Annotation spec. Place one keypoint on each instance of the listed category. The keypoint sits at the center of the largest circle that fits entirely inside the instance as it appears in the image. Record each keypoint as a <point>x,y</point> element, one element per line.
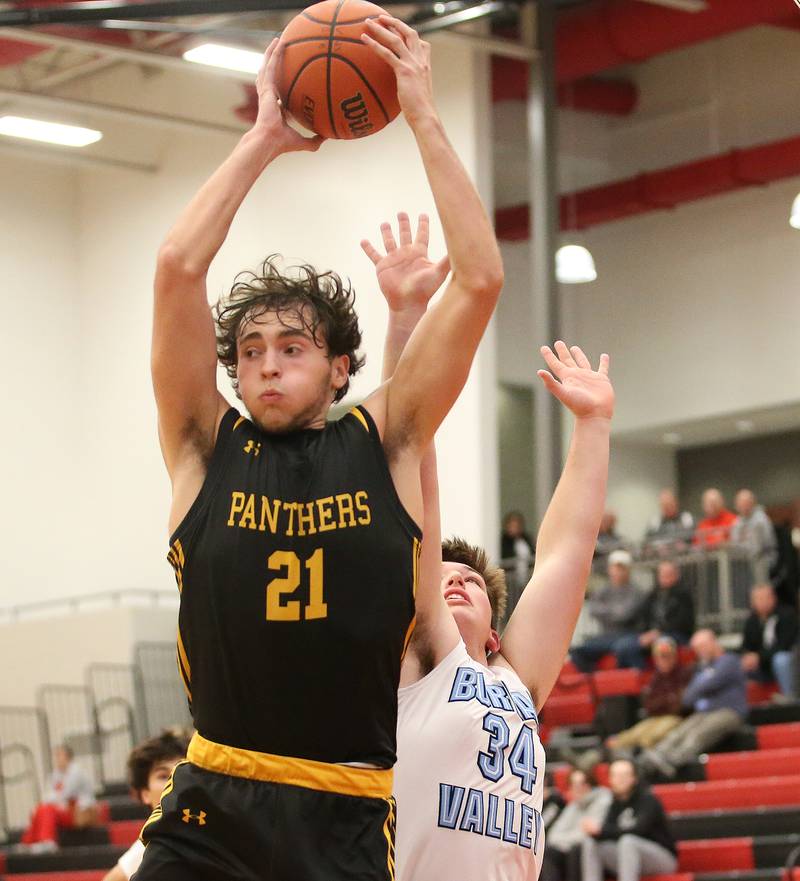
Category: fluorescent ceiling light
<point>683,5</point>
<point>215,55</point>
<point>794,218</point>
<point>574,265</point>
<point>49,132</point>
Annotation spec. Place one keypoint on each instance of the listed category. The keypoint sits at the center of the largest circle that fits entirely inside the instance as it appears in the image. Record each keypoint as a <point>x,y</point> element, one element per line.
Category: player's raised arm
<point>538,635</point>
<point>436,362</point>
<point>184,355</point>
<point>408,280</point>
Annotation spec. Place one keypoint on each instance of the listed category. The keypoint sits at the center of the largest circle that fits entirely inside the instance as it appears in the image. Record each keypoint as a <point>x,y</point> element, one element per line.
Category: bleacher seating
<point>735,812</point>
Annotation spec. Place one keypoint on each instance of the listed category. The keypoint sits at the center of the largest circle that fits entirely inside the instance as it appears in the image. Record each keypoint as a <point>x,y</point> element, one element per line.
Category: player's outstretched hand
<point>271,113</point>
<point>407,278</point>
<point>587,393</point>
<point>410,58</point>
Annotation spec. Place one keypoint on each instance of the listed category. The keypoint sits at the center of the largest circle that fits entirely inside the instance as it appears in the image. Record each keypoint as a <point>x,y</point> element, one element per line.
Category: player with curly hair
<point>295,541</point>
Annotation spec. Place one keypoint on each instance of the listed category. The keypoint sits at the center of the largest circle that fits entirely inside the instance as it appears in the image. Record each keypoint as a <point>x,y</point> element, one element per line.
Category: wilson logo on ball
<point>357,116</point>
<point>308,110</point>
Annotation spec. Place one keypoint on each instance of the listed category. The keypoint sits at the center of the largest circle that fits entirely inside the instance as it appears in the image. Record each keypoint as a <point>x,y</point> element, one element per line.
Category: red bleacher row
<point>572,701</point>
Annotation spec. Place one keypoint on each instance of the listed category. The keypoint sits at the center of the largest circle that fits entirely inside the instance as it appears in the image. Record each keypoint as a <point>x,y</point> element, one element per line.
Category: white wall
<point>698,308</point>
<point>38,268</point>
<point>57,650</point>
<point>308,207</point>
<point>637,473</point>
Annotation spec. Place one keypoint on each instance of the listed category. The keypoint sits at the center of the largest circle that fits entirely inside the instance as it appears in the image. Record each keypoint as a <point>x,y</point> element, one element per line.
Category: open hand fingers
<point>564,353</point>
<point>580,358</point>
<point>404,228</point>
<point>409,35</point>
<point>604,364</point>
<point>371,252</point>
<point>388,238</point>
<point>272,57</point>
<point>383,34</point>
<point>423,231</point>
<point>550,383</point>
<point>552,361</point>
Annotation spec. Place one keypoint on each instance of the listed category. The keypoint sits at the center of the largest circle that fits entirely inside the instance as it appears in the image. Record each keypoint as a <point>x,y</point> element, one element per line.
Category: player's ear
<point>340,368</point>
<point>493,643</point>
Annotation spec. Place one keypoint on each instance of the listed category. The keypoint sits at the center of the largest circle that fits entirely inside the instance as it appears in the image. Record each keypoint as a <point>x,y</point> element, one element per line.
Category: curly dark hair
<point>320,300</point>
<point>172,743</point>
<point>458,550</point>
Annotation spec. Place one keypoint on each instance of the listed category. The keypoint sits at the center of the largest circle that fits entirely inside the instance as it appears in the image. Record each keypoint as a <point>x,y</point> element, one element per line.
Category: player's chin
<point>273,420</point>
<point>466,617</point>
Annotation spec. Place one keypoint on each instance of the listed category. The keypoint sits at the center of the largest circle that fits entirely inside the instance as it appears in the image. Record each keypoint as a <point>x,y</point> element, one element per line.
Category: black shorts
<point>213,826</point>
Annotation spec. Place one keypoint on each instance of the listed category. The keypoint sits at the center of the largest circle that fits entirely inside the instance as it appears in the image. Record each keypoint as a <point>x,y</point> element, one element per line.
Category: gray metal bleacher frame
<point>118,705</point>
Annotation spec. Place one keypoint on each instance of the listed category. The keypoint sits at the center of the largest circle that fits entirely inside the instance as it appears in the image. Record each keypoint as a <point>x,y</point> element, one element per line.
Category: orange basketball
<point>330,81</point>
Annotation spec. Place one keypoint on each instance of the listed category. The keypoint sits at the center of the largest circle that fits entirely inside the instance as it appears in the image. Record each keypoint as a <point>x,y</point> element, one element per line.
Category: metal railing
<point>90,602</point>
<point>24,762</point>
<point>71,721</point>
<point>100,721</point>
<point>719,580</point>
<point>113,692</point>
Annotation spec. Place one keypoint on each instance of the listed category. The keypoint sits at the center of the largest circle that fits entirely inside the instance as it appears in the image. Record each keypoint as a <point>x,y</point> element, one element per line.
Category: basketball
<point>330,82</point>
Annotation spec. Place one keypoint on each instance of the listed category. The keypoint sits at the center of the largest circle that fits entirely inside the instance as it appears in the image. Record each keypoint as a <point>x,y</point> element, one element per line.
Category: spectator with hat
<point>617,608</point>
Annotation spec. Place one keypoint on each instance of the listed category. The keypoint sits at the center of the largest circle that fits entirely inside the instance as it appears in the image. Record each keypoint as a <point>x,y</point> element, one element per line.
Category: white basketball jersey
<point>469,777</point>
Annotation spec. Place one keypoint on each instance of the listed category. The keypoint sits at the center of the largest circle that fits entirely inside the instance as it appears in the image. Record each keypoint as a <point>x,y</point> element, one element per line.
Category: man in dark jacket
<point>668,610</point>
<point>716,696</point>
<point>770,635</point>
<point>635,838</point>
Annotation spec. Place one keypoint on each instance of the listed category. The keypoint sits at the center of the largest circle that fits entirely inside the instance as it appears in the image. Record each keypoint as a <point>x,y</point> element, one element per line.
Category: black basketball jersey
<point>297,567</point>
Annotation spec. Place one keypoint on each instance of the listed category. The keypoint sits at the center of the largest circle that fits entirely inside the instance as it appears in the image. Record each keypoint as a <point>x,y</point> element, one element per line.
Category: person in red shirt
<point>715,528</point>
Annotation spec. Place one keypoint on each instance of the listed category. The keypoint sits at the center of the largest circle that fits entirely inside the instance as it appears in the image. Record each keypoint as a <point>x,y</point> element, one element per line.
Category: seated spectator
<point>552,801</point>
<point>770,635</point>
<point>671,531</point>
<point>562,853</point>
<point>668,610</point>
<point>517,547</point>
<point>715,528</point>
<point>68,804</point>
<point>754,531</point>
<point>716,696</point>
<point>635,838</point>
<point>150,765</point>
<point>662,705</point>
<point>616,606</point>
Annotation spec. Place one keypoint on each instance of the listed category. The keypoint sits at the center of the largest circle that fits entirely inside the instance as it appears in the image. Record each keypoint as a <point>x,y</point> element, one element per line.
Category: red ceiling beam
<point>592,39</point>
<point>658,190</point>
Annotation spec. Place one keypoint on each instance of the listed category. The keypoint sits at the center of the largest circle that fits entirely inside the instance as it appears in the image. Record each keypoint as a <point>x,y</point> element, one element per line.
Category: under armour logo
<point>188,816</point>
<point>251,447</point>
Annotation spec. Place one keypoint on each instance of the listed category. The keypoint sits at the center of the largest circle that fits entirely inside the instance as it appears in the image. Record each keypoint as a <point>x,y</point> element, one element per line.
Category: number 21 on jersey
<point>281,609</point>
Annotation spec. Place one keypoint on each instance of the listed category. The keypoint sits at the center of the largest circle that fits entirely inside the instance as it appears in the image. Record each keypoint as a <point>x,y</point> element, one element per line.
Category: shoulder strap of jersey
<point>362,415</point>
